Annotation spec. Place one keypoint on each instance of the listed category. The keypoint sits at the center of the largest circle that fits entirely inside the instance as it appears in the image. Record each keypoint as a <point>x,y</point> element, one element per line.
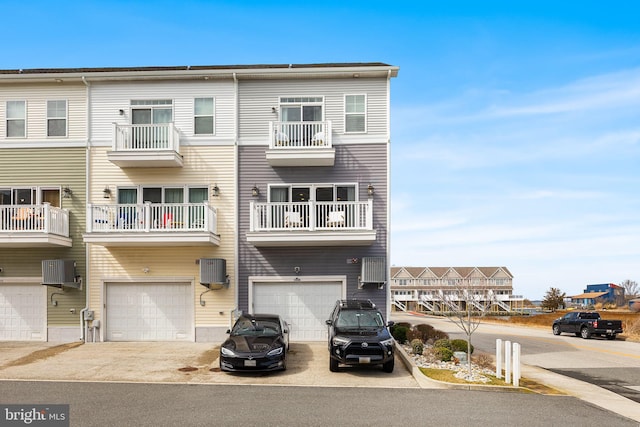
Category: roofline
<point>326,70</point>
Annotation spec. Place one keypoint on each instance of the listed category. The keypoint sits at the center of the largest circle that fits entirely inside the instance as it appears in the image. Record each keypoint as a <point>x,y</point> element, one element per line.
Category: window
<point>355,118</point>
<point>56,118</point>
<point>151,111</point>
<point>203,116</point>
<point>320,193</point>
<point>16,119</point>
<point>301,109</point>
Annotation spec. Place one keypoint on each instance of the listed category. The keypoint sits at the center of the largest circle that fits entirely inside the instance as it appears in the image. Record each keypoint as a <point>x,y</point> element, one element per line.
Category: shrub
<point>425,331</point>
<point>399,333</point>
<point>483,360</point>
<point>439,335</point>
<point>460,345</point>
<point>417,346</point>
<point>443,342</point>
<point>413,334</point>
<point>443,353</point>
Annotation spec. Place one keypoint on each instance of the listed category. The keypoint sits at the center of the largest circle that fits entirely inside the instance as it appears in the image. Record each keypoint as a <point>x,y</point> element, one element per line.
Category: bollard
<point>516,365</point>
<point>498,358</point>
<point>507,361</point>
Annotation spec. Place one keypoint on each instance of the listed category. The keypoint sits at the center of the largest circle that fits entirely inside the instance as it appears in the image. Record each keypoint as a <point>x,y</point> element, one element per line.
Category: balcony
<point>152,224</point>
<point>311,224</point>
<point>146,146</point>
<point>32,226</point>
<point>300,144</point>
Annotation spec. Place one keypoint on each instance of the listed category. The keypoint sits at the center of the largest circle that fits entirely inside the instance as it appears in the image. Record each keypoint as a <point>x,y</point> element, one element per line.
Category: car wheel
<point>388,366</point>
<point>333,365</point>
<point>585,334</point>
<point>611,337</point>
<point>556,330</point>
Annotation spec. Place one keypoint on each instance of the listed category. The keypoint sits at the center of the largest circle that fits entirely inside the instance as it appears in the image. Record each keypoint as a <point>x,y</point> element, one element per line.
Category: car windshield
<point>359,318</point>
<point>254,327</point>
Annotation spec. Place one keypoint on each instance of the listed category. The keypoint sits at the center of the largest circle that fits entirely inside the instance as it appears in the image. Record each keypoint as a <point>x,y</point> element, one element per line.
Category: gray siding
<point>362,164</point>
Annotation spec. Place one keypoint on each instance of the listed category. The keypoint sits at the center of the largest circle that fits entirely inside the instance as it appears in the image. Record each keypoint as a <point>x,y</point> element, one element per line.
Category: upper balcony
<point>152,224</point>
<point>146,146</point>
<point>32,226</point>
<point>300,144</point>
<point>311,224</point>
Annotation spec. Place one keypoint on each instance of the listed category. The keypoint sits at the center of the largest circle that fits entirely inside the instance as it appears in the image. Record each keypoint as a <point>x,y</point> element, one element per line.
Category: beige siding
<point>107,99</point>
<point>256,99</point>
<point>203,166</point>
<point>36,97</point>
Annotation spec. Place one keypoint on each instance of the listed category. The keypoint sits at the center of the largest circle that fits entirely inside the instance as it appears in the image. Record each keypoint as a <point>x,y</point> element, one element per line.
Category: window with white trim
<point>203,116</point>
<point>57,118</point>
<point>355,113</point>
<point>16,116</point>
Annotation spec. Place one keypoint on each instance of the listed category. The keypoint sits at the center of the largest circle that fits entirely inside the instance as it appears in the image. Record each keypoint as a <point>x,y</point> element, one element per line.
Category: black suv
<point>358,335</point>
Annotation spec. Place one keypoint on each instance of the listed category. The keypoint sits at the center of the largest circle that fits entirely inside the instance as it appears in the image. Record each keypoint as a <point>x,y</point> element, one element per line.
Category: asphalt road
<point>613,365</point>
<point>118,404</point>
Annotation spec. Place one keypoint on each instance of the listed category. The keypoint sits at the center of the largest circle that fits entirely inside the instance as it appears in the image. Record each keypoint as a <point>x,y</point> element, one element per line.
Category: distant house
<point>600,293</point>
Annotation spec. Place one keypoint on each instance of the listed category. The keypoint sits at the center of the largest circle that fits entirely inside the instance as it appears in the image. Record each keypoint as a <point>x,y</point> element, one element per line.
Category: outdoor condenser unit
<point>374,271</point>
<point>60,273</point>
<point>213,273</point>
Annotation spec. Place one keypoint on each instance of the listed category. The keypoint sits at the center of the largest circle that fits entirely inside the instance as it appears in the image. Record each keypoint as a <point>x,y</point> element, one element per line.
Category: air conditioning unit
<point>374,271</point>
<point>213,273</point>
<point>60,273</point>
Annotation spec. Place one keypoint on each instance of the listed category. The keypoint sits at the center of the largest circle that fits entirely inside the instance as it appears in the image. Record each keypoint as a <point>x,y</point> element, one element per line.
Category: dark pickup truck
<point>587,323</point>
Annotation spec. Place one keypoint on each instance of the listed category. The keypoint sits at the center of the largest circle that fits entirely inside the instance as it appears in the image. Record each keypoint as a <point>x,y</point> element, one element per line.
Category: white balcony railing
<point>302,135</point>
<point>152,137</point>
<point>42,218</point>
<point>311,216</point>
<point>152,217</point>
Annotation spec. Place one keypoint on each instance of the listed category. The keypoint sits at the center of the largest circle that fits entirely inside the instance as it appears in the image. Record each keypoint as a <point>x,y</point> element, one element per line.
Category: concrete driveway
<point>164,362</point>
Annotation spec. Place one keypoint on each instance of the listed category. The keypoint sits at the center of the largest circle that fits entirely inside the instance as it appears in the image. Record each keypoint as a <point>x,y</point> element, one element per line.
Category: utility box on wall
<point>374,271</point>
<point>60,273</point>
<point>213,273</point>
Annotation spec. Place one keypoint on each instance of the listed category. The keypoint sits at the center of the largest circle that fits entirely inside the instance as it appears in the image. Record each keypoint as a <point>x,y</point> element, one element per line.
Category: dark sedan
<point>257,342</point>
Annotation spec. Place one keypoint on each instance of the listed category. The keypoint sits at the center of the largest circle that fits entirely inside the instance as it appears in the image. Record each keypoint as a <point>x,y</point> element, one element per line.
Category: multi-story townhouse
<point>43,146</point>
<point>161,214</point>
<point>313,189</point>
<point>446,289</point>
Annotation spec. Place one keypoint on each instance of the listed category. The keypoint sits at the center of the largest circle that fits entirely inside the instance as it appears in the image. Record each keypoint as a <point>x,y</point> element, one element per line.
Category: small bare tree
<point>631,288</point>
<point>470,305</point>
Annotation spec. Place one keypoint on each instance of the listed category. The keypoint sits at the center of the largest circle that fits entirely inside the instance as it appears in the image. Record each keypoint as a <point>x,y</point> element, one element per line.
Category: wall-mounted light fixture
<point>215,191</point>
<point>106,193</point>
<point>274,110</point>
<point>66,192</point>
<point>255,191</point>
<point>121,111</point>
<point>370,190</point>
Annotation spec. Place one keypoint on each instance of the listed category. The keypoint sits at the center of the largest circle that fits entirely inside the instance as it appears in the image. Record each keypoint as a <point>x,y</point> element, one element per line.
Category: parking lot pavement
<point>307,365</point>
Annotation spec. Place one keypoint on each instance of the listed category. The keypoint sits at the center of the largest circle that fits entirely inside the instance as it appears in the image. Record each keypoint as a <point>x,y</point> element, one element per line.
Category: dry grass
<point>630,321</point>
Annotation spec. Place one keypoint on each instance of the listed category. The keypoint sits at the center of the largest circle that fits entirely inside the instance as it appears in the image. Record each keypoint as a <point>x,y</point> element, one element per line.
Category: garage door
<point>22,312</point>
<point>305,306</point>
<point>149,312</point>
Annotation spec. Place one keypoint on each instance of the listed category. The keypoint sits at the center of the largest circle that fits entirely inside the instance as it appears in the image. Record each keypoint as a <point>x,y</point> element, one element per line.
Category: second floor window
<point>57,118</point>
<point>16,119</point>
<point>203,116</point>
<point>151,111</point>
<point>355,113</point>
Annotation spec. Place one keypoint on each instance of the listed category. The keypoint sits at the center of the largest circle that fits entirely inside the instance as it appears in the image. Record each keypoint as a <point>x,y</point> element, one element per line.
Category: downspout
<point>236,176</point>
<point>83,323</point>
<point>388,272</point>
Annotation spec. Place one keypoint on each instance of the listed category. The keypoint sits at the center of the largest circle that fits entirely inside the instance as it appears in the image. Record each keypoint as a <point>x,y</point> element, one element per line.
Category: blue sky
<point>515,126</point>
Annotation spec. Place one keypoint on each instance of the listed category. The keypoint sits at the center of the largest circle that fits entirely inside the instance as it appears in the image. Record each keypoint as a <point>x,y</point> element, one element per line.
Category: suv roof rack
<point>357,303</point>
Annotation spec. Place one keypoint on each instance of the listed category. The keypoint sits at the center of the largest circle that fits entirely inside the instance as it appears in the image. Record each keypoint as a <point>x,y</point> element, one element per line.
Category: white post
<point>507,361</point>
<point>498,358</point>
<point>516,365</point>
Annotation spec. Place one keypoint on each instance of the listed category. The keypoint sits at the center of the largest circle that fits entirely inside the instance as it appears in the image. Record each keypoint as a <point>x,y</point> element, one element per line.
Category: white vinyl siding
<point>203,117</point>
<point>16,119</point>
<point>57,118</point>
<point>355,113</point>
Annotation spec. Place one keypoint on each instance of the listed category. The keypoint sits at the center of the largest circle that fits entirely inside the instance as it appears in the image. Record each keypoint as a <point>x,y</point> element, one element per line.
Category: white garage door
<point>305,306</point>
<point>22,312</point>
<point>149,312</point>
